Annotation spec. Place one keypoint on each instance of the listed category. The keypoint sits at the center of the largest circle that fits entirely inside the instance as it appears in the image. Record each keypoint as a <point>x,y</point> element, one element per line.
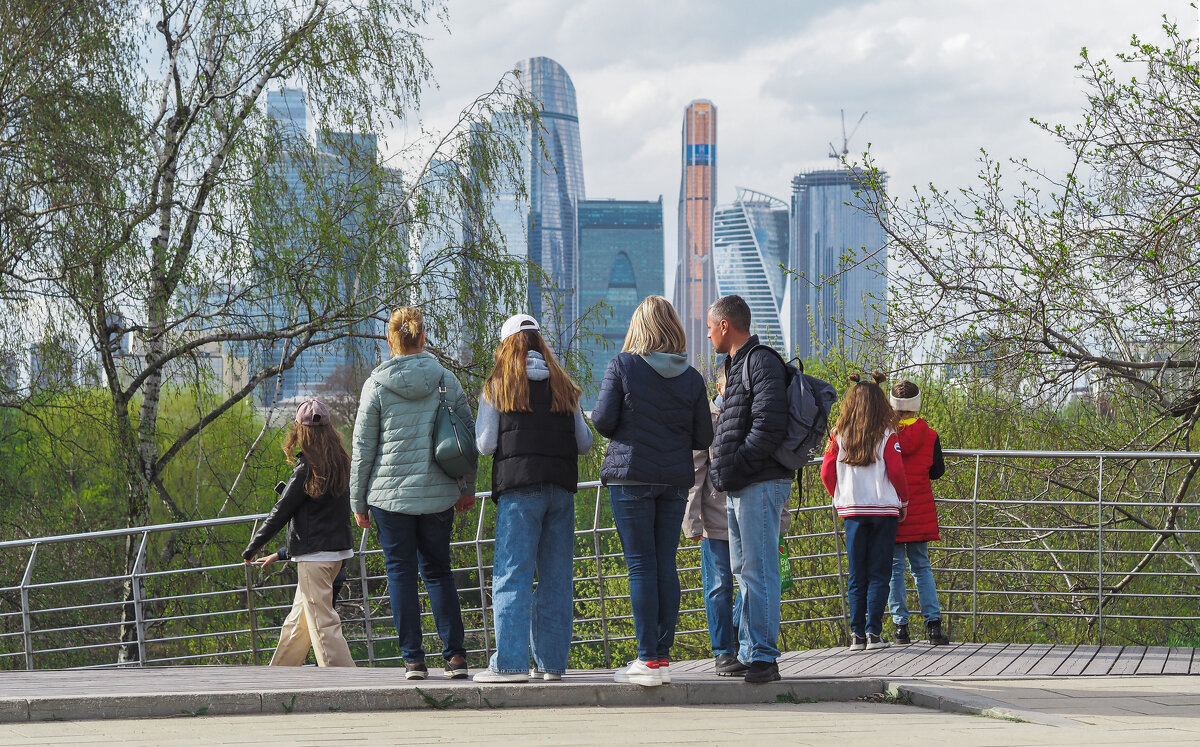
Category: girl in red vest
<point>922,453</point>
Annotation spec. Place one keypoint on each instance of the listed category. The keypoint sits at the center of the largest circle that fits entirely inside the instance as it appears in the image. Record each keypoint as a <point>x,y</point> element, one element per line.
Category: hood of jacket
<point>667,365</point>
<point>536,367</point>
<point>913,436</point>
<point>413,376</point>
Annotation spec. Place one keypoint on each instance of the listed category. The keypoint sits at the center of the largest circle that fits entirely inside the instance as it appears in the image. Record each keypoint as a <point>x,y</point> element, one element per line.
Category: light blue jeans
<point>717,579</point>
<point>754,558</point>
<point>535,530</point>
<point>918,559</point>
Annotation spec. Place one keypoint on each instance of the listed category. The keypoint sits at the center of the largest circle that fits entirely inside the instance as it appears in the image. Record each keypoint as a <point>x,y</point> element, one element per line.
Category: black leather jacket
<point>314,524</point>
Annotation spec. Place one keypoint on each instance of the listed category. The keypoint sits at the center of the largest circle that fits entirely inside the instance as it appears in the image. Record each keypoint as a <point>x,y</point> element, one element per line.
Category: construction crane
<point>833,152</point>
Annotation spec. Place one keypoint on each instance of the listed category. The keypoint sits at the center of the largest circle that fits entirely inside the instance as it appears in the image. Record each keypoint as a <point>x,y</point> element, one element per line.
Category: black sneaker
<point>415,670</point>
<point>727,665</point>
<point>902,637</point>
<point>933,628</point>
<point>456,668</point>
<point>857,642</point>
<point>874,642</point>
<point>762,671</point>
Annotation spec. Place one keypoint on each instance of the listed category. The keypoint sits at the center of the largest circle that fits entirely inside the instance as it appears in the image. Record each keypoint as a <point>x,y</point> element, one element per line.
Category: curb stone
<point>949,700</point>
<point>434,696</point>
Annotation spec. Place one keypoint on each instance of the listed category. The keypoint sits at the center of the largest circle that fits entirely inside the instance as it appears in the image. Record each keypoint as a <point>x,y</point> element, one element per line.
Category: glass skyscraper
<point>340,165</point>
<point>555,190</point>
<point>750,245</point>
<point>621,245</point>
<point>695,279</point>
<point>838,296</point>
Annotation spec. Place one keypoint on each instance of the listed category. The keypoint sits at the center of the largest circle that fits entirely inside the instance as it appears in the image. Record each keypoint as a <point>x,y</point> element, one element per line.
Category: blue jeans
<point>754,558</point>
<point>649,519</point>
<point>535,531</point>
<point>927,595</point>
<point>869,541</point>
<point>420,541</point>
<point>717,577</point>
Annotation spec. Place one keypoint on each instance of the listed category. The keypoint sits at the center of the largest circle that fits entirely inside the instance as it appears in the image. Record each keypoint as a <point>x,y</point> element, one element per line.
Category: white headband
<point>907,404</point>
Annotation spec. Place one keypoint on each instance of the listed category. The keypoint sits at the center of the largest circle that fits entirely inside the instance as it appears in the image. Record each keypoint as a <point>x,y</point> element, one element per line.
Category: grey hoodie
<point>487,424</point>
<point>392,465</point>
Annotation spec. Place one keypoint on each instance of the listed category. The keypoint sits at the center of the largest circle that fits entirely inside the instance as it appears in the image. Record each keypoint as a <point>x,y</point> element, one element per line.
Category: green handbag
<point>453,448</point>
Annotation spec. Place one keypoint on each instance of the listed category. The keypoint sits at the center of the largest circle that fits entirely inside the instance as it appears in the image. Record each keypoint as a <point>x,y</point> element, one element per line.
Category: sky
<point>939,79</point>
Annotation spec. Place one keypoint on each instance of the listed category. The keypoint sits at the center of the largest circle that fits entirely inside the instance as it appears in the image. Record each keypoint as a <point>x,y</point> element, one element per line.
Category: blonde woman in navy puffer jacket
<point>653,407</point>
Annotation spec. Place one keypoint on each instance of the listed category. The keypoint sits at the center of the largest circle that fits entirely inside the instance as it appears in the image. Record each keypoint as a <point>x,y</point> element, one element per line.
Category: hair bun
<point>854,378</point>
<point>879,377</point>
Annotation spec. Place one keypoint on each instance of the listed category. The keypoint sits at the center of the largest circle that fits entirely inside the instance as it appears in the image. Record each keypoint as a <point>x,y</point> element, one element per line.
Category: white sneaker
<point>537,674</point>
<point>645,673</point>
<point>491,677</point>
<point>664,671</point>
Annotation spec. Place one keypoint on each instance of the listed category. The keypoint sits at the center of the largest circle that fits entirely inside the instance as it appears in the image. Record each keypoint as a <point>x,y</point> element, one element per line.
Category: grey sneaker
<point>415,670</point>
<point>538,674</point>
<point>874,642</point>
<point>456,668</point>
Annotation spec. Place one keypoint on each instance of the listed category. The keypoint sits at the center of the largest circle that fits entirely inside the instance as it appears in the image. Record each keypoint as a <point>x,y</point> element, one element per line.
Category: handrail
<point>1062,551</point>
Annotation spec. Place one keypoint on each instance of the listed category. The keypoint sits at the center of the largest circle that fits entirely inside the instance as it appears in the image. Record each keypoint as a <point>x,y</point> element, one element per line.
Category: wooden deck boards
<point>989,660</point>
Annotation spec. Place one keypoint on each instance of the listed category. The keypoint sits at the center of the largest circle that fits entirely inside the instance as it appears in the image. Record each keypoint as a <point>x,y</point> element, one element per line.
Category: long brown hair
<point>507,388</point>
<point>328,460</point>
<point>865,417</point>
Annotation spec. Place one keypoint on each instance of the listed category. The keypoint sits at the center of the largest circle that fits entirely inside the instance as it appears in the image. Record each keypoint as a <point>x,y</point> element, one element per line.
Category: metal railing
<point>1036,545</point>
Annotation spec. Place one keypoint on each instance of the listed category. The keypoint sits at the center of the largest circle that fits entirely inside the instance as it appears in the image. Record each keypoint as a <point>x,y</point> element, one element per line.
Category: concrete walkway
<point>1159,710</point>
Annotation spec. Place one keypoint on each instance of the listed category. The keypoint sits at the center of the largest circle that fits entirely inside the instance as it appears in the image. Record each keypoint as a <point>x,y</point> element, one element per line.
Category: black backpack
<point>809,401</point>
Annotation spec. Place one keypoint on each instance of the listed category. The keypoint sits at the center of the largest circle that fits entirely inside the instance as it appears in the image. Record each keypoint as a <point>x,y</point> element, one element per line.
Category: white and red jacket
<point>878,489</point>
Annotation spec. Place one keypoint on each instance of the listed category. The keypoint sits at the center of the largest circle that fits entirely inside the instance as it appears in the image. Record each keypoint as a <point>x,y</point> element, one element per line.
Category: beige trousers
<point>312,621</point>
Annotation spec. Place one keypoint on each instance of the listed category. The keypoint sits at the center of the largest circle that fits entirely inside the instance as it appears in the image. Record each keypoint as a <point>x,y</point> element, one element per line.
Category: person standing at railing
<point>529,419</point>
<point>706,520</point>
<point>653,407</point>
<point>864,472</point>
<point>412,500</point>
<point>921,449</point>
<point>751,428</point>
<point>315,504</point>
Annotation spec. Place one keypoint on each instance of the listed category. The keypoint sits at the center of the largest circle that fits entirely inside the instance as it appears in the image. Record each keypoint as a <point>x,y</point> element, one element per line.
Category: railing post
<point>600,583</point>
<point>1100,557</point>
<point>139,615</point>
<point>975,554</point>
<point>26,622</point>
<point>366,596</point>
<point>837,551</point>
<point>483,605</point>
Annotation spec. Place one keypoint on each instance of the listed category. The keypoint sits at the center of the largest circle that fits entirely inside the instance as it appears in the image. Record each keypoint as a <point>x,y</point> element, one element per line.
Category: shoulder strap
<point>746,364</point>
<point>442,388</point>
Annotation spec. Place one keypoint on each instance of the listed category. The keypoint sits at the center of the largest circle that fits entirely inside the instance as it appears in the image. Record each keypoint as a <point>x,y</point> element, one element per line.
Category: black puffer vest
<point>535,447</point>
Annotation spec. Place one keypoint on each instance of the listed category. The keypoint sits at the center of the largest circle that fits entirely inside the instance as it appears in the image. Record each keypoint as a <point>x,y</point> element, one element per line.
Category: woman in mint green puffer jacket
<point>412,500</point>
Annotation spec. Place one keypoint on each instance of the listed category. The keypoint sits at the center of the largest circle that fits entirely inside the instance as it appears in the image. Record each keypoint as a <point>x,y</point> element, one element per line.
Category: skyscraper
<point>840,257</point>
<point>339,166</point>
<point>750,243</point>
<point>555,190</point>
<point>621,245</point>
<point>695,281</point>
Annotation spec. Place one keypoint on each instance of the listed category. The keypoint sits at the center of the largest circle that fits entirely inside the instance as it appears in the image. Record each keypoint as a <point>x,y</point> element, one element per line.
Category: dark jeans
<point>869,544</point>
<point>649,519</point>
<point>409,542</point>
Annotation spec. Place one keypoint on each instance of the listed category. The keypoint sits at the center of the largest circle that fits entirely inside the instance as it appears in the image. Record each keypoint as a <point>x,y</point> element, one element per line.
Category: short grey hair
<point>732,309</point>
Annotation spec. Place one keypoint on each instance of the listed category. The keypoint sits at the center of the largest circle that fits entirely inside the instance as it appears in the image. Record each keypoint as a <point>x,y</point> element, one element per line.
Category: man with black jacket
<point>752,425</point>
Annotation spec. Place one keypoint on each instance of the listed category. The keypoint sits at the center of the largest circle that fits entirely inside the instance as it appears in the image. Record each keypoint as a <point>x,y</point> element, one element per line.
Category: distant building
<point>621,245</point>
<point>750,246</point>
<point>341,164</point>
<point>837,296</point>
<point>695,277</point>
<point>547,234</point>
